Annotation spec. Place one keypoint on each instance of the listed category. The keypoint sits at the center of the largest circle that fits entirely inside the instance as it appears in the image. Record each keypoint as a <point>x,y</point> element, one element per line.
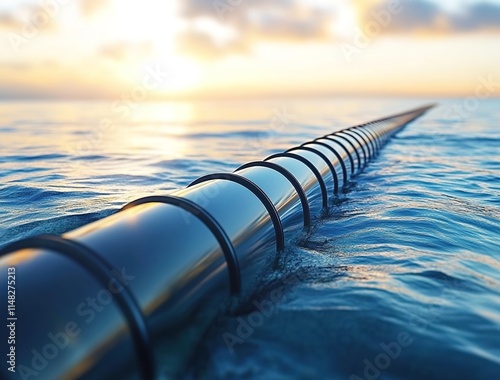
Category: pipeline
<point>105,300</point>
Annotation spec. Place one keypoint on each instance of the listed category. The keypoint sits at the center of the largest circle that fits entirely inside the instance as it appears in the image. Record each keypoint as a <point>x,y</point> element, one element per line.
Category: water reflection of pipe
<point>103,301</point>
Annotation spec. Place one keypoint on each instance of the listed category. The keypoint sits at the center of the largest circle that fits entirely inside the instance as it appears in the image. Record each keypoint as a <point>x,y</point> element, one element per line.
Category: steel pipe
<point>112,299</point>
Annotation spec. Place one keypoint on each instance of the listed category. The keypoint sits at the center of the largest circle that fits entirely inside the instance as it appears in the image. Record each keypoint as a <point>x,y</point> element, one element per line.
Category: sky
<point>151,49</point>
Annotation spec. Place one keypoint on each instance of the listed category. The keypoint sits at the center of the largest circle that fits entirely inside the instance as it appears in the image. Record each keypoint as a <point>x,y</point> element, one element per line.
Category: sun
<point>183,75</point>
<point>346,23</point>
<point>137,24</point>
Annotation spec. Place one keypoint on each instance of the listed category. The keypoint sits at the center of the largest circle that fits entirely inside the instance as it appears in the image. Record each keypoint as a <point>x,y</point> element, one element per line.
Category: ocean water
<point>400,281</point>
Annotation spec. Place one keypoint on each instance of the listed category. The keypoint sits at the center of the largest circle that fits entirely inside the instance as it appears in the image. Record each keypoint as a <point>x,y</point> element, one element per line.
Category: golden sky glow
<point>205,48</point>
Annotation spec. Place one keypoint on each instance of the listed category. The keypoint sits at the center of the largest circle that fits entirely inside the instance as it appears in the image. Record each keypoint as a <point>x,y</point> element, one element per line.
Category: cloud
<point>201,45</point>
<point>479,16</point>
<point>27,17</point>
<point>126,50</point>
<point>300,21</point>
<point>250,22</point>
<point>8,21</point>
<point>429,17</point>
<point>91,7</point>
<point>42,16</point>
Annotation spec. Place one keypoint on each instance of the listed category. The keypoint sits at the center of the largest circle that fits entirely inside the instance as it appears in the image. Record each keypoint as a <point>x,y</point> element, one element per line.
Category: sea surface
<point>400,281</point>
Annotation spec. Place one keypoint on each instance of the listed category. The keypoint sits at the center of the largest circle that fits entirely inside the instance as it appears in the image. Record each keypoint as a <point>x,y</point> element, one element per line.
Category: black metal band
<point>336,134</point>
<point>268,204</point>
<point>381,129</point>
<point>104,272</point>
<point>339,158</point>
<point>327,161</point>
<point>369,137</point>
<point>382,126</point>
<point>331,138</point>
<point>368,132</point>
<point>368,142</point>
<point>295,183</point>
<point>369,129</point>
<point>212,225</point>
<point>387,130</point>
<point>349,133</point>
<point>375,127</point>
<point>380,137</point>
<point>310,165</point>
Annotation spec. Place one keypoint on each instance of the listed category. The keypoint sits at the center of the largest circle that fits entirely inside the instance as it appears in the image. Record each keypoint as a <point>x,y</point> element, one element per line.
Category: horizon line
<point>226,97</point>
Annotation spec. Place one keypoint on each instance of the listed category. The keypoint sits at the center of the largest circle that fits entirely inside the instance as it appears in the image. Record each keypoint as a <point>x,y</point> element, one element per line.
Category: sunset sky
<point>236,48</point>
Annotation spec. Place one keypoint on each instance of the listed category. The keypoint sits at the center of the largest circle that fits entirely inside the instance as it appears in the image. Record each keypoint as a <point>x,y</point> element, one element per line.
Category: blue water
<point>400,281</point>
